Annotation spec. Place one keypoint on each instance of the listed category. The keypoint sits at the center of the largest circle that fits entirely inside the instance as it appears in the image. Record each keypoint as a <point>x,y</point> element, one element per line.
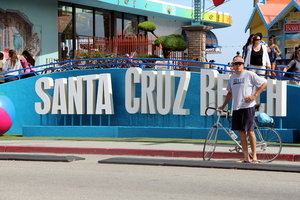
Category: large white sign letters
<point>75,95</point>
<point>146,92</point>
<point>157,92</point>
<point>213,91</point>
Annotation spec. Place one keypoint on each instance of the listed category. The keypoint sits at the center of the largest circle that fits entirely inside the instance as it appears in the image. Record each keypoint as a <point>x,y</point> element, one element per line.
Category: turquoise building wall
<point>43,16</point>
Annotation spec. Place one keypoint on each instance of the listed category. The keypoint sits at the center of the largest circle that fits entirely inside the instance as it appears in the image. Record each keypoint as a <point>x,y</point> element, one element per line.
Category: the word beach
<point>146,92</point>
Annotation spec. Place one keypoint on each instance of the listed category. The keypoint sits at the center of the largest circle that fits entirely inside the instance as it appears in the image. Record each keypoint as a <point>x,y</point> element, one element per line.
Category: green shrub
<point>83,55</point>
<point>174,42</point>
<point>147,26</point>
<point>96,54</point>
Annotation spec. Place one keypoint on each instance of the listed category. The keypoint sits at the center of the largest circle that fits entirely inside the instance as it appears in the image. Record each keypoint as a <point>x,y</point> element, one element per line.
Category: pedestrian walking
<point>273,54</point>
<point>241,88</point>
<point>294,66</point>
<point>257,57</point>
<point>261,40</point>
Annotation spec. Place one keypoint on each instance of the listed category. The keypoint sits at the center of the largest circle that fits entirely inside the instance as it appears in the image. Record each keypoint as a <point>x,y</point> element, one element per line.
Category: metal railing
<point>145,63</point>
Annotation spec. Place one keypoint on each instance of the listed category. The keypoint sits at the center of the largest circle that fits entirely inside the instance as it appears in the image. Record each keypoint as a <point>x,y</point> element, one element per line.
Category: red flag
<point>218,2</point>
<point>160,46</point>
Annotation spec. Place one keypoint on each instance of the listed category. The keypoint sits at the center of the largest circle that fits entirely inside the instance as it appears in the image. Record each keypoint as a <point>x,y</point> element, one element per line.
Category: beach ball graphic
<point>7,114</point>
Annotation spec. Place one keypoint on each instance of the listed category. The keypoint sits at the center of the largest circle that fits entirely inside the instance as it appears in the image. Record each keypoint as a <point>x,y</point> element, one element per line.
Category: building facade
<point>280,18</point>
<point>51,29</point>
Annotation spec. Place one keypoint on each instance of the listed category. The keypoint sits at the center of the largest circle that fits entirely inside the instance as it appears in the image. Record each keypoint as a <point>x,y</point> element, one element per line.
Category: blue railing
<point>125,62</point>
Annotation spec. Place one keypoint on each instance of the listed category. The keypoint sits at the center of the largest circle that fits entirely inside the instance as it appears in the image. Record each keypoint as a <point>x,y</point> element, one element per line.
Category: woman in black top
<point>257,57</point>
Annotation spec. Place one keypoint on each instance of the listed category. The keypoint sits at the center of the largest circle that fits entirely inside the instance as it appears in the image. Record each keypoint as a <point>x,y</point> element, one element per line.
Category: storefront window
<point>102,22</point>
<point>119,25</point>
<point>65,32</point>
<point>130,24</point>
<point>84,22</point>
<point>80,28</point>
<point>142,19</point>
<point>65,24</point>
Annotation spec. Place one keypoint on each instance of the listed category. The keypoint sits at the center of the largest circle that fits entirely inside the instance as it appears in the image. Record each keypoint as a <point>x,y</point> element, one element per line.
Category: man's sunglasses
<point>237,63</point>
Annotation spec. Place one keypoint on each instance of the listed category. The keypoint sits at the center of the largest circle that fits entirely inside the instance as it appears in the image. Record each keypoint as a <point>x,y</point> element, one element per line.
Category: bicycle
<point>268,144</point>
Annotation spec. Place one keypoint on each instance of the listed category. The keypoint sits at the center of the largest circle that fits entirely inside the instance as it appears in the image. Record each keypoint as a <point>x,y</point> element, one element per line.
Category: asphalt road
<point>86,179</point>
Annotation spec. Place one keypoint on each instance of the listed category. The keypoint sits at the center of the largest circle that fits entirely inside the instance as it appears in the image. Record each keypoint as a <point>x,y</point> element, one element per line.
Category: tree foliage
<point>147,26</point>
<point>173,42</point>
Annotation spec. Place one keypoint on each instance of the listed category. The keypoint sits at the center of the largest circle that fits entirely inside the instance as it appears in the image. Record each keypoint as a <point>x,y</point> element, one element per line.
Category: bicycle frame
<point>265,150</point>
<point>218,125</point>
<point>261,146</point>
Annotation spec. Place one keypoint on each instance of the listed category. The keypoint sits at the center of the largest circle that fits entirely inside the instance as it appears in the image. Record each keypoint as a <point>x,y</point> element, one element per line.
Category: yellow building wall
<point>260,29</point>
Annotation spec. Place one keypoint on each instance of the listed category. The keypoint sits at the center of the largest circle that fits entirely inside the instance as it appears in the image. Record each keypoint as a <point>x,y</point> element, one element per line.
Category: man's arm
<point>227,99</point>
<point>257,93</point>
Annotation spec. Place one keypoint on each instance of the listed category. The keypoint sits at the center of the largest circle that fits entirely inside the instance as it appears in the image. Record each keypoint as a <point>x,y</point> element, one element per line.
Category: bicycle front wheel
<point>210,143</point>
<point>268,144</point>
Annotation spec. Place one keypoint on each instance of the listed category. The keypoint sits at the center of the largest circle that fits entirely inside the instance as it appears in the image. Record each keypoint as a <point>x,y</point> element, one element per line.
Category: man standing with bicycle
<point>241,88</point>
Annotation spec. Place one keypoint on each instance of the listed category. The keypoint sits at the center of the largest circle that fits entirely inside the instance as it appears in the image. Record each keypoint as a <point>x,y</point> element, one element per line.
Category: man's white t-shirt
<point>243,85</point>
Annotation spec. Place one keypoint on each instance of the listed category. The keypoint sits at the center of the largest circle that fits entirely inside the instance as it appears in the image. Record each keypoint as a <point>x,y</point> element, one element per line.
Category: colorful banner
<point>290,28</point>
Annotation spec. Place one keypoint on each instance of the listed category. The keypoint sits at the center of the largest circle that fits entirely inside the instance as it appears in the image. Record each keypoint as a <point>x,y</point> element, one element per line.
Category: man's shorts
<point>243,119</point>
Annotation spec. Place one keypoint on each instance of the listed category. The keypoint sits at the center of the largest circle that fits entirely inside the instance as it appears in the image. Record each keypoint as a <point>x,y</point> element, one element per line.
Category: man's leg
<point>244,144</point>
<point>253,144</point>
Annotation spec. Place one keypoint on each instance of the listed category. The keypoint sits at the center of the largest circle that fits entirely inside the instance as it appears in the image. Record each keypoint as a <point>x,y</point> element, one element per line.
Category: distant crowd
<point>259,55</point>
<point>261,58</point>
<point>16,66</point>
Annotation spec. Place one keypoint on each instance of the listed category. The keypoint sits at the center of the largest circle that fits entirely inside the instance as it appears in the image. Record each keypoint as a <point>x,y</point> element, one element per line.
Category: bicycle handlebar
<point>218,110</point>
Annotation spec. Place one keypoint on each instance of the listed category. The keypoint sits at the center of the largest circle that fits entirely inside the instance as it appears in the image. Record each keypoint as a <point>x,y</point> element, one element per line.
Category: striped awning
<point>211,40</point>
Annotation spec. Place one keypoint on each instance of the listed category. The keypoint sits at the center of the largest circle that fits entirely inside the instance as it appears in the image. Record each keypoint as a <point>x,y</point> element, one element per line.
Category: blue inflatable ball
<point>8,106</point>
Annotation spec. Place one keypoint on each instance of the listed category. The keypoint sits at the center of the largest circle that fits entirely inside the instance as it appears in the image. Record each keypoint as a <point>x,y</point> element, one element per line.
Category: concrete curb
<point>202,164</point>
<point>136,152</point>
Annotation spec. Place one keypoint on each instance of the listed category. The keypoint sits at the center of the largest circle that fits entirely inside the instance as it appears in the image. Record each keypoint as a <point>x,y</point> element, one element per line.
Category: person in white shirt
<point>11,64</point>
<point>241,88</point>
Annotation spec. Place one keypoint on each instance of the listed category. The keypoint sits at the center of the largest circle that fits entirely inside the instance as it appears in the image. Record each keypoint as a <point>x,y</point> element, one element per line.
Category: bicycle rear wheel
<point>268,144</point>
<point>210,143</point>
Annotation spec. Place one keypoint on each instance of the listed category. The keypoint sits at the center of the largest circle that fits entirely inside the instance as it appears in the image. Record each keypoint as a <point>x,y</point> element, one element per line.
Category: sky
<point>232,38</point>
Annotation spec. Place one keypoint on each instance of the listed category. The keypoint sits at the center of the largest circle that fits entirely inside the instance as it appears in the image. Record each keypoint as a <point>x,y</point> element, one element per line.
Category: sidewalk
<point>187,150</point>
